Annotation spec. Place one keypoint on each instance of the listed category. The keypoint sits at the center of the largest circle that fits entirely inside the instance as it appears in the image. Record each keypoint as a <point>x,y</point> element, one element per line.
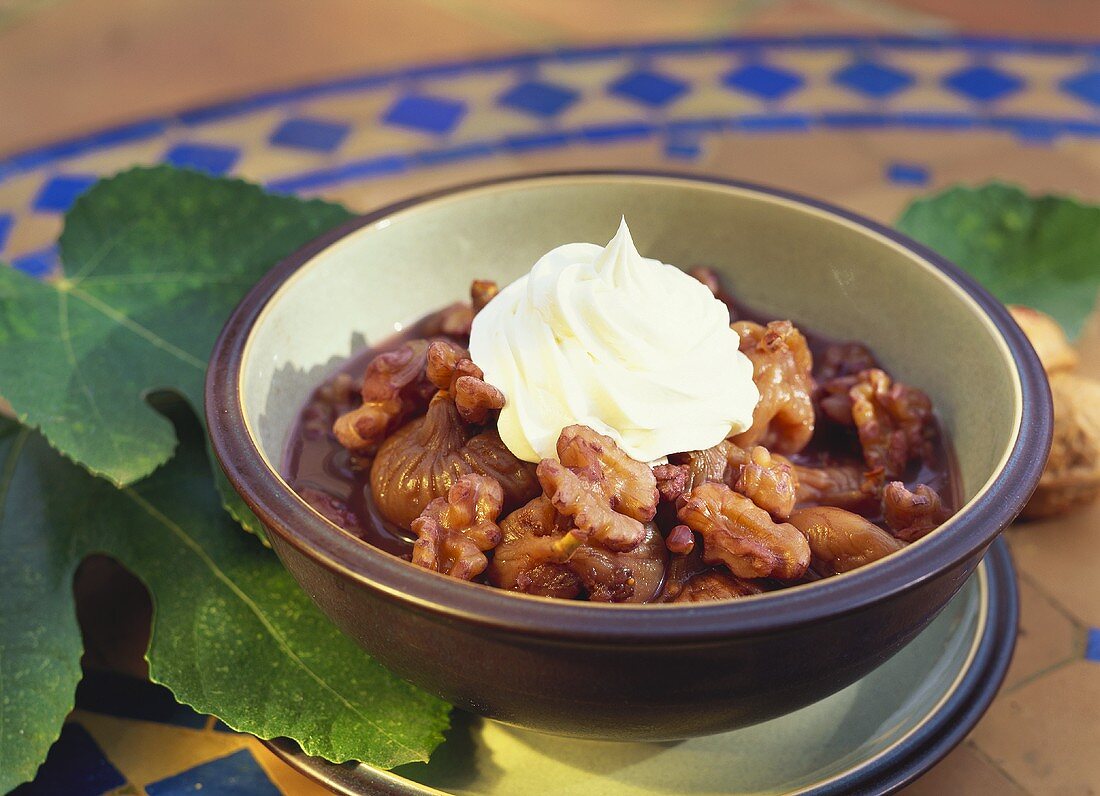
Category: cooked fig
<point>840,540</point>
<point>423,459</point>
<point>843,485</point>
<point>720,464</point>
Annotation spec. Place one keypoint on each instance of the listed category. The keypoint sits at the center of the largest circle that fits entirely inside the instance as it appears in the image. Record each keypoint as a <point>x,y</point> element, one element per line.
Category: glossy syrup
<point>316,461</point>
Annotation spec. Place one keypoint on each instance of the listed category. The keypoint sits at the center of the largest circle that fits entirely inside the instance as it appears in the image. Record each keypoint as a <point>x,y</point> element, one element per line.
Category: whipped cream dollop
<point>629,346</point>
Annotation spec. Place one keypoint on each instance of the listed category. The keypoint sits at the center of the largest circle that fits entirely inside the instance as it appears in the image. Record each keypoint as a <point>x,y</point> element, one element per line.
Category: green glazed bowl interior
<point>841,276</point>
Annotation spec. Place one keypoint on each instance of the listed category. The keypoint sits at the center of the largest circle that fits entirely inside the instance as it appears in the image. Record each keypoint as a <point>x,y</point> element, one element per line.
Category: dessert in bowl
<point>577,434</point>
<point>602,435</point>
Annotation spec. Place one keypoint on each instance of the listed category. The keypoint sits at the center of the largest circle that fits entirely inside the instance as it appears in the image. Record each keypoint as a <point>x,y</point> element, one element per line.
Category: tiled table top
<point>866,122</point>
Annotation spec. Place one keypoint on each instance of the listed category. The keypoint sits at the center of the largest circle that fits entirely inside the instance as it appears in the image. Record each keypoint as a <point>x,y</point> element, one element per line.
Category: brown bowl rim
<point>285,514</point>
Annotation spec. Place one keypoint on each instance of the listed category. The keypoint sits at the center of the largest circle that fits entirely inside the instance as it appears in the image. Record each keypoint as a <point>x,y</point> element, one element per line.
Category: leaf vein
<point>8,474</point>
<point>65,333</point>
<point>279,639</point>
<point>169,277</point>
<point>100,256</point>
<point>141,331</point>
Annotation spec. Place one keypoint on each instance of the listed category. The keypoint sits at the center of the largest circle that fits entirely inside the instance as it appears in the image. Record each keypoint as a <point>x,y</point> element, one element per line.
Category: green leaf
<point>39,639</point>
<point>234,635</point>
<point>154,261</point>
<point>1040,251</point>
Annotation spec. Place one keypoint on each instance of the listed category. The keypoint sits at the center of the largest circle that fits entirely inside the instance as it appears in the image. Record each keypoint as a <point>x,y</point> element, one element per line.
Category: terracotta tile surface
<point>965,771</point>
<point>1045,734</point>
<point>834,161</point>
<point>1045,169</point>
<point>1063,559</point>
<point>832,16</point>
<point>1066,18</point>
<point>80,68</point>
<point>580,20</point>
<point>1048,637</point>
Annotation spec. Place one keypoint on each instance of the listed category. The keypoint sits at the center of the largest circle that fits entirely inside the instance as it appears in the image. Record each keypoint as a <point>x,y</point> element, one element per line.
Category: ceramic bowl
<point>872,737</point>
<point>614,671</point>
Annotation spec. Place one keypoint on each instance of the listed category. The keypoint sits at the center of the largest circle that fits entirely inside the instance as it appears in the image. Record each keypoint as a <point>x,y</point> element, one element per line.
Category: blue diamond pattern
<point>439,115</point>
<point>59,193</point>
<point>37,263</point>
<point>766,82</point>
<point>1085,86</point>
<point>1092,645</point>
<point>907,174</point>
<point>648,88</point>
<point>538,98</point>
<point>238,773</point>
<point>215,160</point>
<point>983,83</point>
<point>315,135</point>
<point>683,145</point>
<point>873,80</point>
<point>6,222</point>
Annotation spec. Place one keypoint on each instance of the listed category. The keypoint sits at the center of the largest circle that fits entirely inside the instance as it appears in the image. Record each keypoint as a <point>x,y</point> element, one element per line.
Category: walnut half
<point>607,495</point>
<point>783,420</point>
<point>769,481</point>
<point>893,420</point>
<point>450,369</point>
<point>395,387</point>
<point>716,584</point>
<point>528,560</point>
<point>454,532</point>
<point>738,533</point>
<point>912,514</point>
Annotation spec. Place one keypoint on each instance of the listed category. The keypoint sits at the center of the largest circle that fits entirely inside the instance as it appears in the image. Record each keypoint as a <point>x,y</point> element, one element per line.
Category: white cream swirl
<point>629,346</point>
